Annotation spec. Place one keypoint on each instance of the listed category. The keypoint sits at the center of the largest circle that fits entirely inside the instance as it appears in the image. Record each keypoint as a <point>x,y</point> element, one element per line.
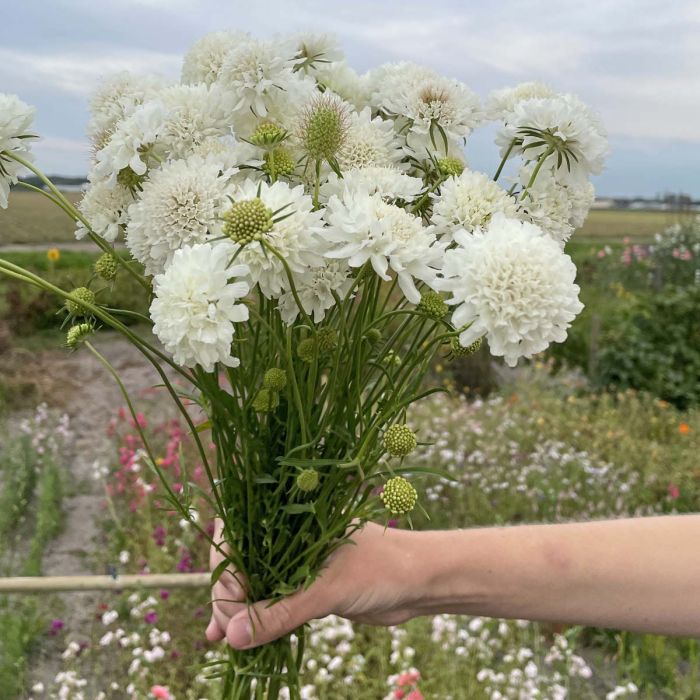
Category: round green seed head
<point>399,496</point>
<point>307,349</point>
<point>374,335</point>
<point>275,379</point>
<point>268,134</point>
<point>399,440</point>
<point>433,305</point>
<point>459,351</point>
<point>450,166</point>
<point>327,340</point>
<point>247,221</point>
<point>265,401</point>
<point>278,163</point>
<point>106,266</point>
<point>392,359</point>
<point>324,128</point>
<point>77,334</point>
<point>307,480</point>
<point>75,308</point>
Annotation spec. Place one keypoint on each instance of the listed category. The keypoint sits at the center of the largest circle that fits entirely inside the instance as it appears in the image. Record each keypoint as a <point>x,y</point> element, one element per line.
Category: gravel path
<point>91,398</point>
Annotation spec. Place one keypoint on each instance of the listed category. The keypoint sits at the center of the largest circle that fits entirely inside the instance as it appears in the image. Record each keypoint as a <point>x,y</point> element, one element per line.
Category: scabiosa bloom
<point>369,142</point>
<point>562,123</point>
<point>104,206</point>
<point>315,289</point>
<point>340,78</point>
<point>364,227</point>
<point>297,235</point>
<point>195,309</point>
<point>501,102</point>
<point>203,62</point>
<point>15,121</point>
<point>512,283</point>
<point>181,204</point>
<point>389,182</point>
<point>254,71</point>
<point>468,202</point>
<point>116,99</point>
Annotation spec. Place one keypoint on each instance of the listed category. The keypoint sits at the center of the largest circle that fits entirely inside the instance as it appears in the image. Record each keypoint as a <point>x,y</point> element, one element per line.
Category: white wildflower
<point>369,142</point>
<point>364,227</point>
<point>390,183</point>
<point>15,121</point>
<point>202,63</point>
<point>104,206</point>
<point>309,50</point>
<point>501,102</point>
<point>513,284</point>
<point>340,78</point>
<point>109,617</point>
<point>194,309</point>
<point>181,204</point>
<point>469,201</point>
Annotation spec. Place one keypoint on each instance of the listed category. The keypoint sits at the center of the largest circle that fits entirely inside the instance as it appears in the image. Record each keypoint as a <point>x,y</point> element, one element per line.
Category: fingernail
<point>240,632</point>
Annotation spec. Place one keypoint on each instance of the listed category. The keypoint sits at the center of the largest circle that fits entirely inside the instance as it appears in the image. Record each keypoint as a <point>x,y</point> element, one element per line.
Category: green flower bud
<point>275,379</point>
<point>268,135</point>
<point>392,359</point>
<point>75,308</point>
<point>247,221</point>
<point>374,335</point>
<point>433,305</point>
<point>307,480</point>
<point>324,127</point>
<point>77,334</point>
<point>308,349</point>
<point>265,401</point>
<point>399,440</point>
<point>106,266</point>
<point>327,340</point>
<point>279,163</point>
<point>399,496</point>
<point>459,351</point>
<point>450,166</point>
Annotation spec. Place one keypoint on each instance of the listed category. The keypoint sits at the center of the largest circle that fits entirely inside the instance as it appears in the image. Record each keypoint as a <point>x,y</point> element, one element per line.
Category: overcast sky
<point>636,62</point>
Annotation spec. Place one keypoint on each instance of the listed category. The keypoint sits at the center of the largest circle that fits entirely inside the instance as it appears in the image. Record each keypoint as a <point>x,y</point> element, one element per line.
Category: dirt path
<point>91,397</point>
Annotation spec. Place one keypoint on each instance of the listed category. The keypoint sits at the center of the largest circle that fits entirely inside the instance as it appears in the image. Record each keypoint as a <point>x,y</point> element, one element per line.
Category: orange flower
<point>683,428</point>
<point>53,254</point>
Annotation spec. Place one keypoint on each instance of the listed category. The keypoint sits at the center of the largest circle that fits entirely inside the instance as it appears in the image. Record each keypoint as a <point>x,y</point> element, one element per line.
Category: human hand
<point>373,581</point>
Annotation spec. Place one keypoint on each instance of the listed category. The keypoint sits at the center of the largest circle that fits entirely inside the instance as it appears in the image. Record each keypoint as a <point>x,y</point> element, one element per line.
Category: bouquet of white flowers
<point>302,233</point>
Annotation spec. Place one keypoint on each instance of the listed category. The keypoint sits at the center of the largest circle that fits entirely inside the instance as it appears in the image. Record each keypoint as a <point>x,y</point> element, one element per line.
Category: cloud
<point>79,72</point>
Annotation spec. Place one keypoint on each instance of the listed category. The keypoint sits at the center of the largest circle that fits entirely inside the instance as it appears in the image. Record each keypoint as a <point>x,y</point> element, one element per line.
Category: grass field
<point>612,225</point>
<point>31,218</point>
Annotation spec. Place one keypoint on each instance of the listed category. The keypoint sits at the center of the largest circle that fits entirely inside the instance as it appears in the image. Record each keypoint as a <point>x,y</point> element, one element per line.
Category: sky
<point>635,62</point>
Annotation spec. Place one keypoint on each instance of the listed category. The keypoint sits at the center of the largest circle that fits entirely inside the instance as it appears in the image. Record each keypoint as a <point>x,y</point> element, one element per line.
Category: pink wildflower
<point>415,695</point>
<point>673,491</point>
<point>161,692</point>
<point>151,617</point>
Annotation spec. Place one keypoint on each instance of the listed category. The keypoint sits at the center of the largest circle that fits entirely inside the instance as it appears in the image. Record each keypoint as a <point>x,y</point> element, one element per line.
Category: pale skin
<point>640,574</point>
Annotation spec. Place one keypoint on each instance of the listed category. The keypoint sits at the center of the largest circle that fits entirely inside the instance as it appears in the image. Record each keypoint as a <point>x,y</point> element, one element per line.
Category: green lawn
<point>31,218</point>
<point>612,225</point>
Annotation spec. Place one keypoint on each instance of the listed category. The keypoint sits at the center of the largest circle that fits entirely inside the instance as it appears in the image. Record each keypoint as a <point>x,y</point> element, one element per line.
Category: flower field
<point>541,450</point>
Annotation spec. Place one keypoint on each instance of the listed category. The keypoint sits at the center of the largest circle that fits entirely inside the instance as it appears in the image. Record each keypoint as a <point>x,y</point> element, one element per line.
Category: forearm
<point>640,574</point>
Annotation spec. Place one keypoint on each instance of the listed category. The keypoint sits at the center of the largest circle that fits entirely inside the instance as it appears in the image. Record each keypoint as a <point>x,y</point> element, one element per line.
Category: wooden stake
<point>51,584</point>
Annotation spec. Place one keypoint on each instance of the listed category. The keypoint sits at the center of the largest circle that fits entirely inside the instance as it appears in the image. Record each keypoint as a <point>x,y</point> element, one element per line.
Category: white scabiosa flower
<point>557,208</point>
<point>104,206</point>
<point>501,102</point>
<point>513,284</point>
<point>563,123</point>
<point>315,289</point>
<point>344,81</point>
<point>364,227</point>
<point>388,182</point>
<point>386,84</point>
<point>309,50</point>
<point>369,142</point>
<point>181,203</point>
<point>254,71</point>
<point>15,121</point>
<point>202,63</point>
<point>468,202</point>
<point>116,98</point>
<point>297,235</point>
<point>195,309</point>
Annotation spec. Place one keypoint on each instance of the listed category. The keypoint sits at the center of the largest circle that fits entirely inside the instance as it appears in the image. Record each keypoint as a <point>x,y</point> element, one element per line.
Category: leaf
<point>206,425</point>
<point>265,479</point>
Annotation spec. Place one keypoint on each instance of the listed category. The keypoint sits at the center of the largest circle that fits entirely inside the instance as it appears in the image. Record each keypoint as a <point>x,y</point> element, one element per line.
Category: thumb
<point>265,621</point>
